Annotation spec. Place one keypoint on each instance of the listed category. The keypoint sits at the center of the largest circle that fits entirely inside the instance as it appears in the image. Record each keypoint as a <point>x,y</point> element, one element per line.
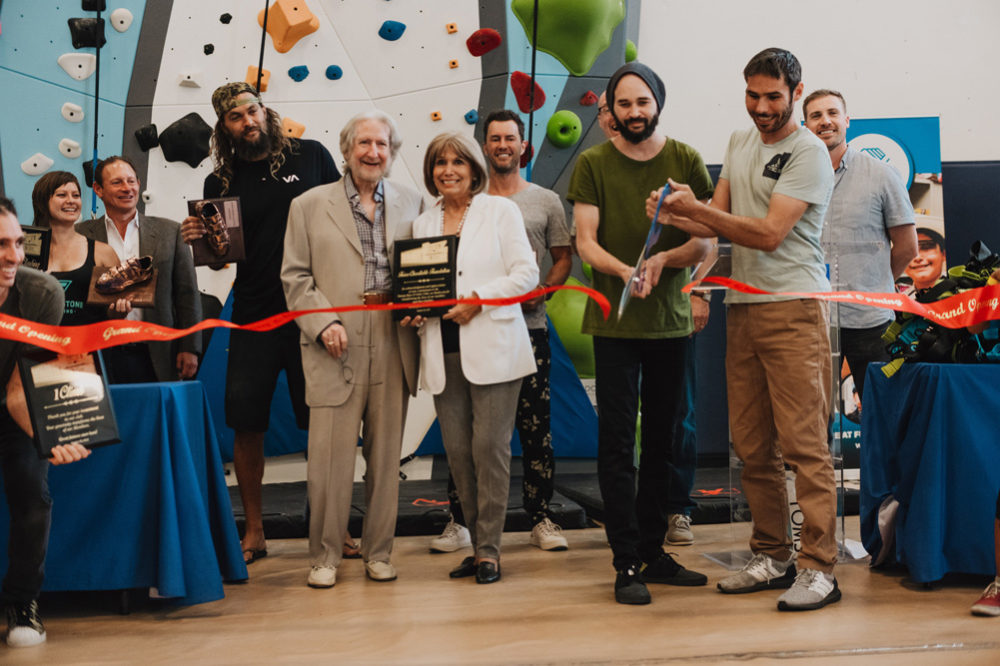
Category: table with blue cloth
<point>932,442</point>
<point>150,512</point>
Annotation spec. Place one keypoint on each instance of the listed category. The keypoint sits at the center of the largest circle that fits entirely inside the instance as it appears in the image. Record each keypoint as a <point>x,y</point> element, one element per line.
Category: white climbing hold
<point>72,112</point>
<point>121,19</point>
<point>70,148</point>
<point>190,79</point>
<point>36,165</point>
<point>147,196</point>
<point>78,65</point>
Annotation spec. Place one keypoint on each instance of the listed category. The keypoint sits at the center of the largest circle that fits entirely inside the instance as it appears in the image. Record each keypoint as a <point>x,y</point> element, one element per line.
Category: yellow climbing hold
<point>252,78</point>
<point>292,128</point>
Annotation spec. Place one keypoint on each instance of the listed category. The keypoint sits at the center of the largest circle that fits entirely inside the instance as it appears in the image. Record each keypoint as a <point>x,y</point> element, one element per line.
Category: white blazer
<point>495,260</point>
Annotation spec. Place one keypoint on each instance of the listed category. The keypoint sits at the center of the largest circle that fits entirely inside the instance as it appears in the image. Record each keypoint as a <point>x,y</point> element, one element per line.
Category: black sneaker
<point>24,626</point>
<point>629,588</point>
<point>666,570</point>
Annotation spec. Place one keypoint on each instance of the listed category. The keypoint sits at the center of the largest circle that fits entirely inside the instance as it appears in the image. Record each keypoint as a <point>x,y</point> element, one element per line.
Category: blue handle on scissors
<point>655,227</point>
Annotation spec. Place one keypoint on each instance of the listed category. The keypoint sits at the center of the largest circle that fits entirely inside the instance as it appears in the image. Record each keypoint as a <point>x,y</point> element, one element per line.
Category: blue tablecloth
<point>932,441</point>
<point>152,511</point>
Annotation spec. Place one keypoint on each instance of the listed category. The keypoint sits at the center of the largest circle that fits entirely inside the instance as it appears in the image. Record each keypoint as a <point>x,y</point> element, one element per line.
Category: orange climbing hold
<point>252,78</point>
<point>288,21</point>
<point>435,115</point>
<point>452,28</point>
<point>292,128</point>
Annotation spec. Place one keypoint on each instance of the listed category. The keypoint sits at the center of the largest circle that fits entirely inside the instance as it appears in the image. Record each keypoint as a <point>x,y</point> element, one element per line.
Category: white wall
<point>889,58</point>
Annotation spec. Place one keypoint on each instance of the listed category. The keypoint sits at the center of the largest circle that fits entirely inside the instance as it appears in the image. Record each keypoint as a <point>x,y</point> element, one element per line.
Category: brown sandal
<point>217,234</point>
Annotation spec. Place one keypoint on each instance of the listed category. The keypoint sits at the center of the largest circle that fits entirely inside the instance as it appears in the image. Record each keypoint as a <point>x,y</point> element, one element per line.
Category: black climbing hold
<point>86,31</point>
<point>186,140</point>
<point>93,5</point>
<point>226,18</point>
<point>88,173</point>
<point>209,49</point>
<point>147,137</point>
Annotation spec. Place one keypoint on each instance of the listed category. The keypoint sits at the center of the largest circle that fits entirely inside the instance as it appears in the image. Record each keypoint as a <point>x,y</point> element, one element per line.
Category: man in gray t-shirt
<point>545,222</point>
<point>869,235</point>
<point>770,202</point>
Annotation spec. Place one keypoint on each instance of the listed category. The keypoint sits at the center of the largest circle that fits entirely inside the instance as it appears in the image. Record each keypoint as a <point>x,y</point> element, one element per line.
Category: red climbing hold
<point>483,41</point>
<point>527,155</point>
<point>520,83</point>
<point>588,99</point>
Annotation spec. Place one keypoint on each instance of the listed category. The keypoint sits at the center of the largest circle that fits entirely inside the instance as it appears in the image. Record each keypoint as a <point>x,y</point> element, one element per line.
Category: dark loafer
<point>488,572</point>
<point>130,272</point>
<point>467,568</point>
<point>216,232</point>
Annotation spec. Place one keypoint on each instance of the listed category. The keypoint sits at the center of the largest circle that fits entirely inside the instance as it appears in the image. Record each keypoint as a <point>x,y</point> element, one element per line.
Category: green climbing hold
<point>564,128</point>
<point>631,50</point>
<point>574,32</point>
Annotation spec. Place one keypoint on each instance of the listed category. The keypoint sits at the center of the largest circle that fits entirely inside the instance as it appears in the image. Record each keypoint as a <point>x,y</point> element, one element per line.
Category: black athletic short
<point>255,360</point>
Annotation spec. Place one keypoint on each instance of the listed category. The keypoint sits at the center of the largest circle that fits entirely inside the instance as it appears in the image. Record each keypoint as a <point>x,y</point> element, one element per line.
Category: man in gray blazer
<point>359,366</point>
<point>177,301</point>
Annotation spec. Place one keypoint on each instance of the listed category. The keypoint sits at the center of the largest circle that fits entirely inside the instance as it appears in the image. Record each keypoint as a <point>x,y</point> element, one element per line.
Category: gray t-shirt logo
<point>773,168</point>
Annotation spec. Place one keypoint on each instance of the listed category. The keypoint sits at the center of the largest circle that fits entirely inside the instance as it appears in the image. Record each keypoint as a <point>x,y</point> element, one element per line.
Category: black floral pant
<point>535,430</point>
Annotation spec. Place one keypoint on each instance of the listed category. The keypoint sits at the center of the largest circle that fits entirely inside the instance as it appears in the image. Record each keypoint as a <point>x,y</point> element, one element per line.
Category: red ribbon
<point>964,309</point>
<point>91,337</point>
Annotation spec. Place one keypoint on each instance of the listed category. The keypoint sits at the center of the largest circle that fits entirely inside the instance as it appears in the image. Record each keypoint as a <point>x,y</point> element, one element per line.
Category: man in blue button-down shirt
<point>868,233</point>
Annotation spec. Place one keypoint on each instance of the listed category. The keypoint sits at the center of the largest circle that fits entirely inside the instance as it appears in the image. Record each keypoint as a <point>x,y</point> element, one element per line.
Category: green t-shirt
<point>619,187</point>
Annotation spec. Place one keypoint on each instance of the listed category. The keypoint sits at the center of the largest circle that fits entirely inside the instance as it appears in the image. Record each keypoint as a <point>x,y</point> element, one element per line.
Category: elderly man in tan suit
<point>359,366</point>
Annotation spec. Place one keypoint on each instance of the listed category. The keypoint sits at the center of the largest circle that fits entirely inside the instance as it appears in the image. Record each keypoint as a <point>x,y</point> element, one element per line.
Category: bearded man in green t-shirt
<point>640,354</point>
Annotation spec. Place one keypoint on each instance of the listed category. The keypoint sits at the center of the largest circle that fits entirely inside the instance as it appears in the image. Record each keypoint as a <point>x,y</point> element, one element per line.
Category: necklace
<point>461,223</point>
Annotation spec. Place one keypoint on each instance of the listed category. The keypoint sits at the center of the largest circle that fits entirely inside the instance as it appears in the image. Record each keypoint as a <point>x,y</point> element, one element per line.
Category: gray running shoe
<point>812,590</point>
<point>762,572</point>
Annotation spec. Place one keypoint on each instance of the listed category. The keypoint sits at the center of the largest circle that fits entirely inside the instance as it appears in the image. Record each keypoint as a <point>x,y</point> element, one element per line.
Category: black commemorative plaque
<point>68,400</point>
<point>424,270</point>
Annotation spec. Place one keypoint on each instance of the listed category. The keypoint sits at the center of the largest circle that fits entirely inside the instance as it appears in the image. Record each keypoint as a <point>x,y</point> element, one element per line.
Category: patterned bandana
<point>224,97</point>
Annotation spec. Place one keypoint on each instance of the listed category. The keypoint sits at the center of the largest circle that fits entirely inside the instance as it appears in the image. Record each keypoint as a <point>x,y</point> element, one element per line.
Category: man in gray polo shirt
<point>870,209</point>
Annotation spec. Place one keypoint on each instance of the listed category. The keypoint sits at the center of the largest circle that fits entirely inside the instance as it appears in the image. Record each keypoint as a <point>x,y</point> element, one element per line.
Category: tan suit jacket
<point>323,266</point>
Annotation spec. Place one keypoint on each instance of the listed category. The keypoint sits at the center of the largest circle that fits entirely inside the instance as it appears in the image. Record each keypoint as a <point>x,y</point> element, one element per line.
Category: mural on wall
<point>433,66</point>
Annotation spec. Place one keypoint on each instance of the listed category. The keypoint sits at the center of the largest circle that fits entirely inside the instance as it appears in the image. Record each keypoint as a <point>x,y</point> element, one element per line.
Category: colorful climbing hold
<point>520,83</point>
<point>252,78</point>
<point>483,41</point>
<point>186,140</point>
<point>334,72</point>
<point>452,28</point>
<point>298,73</point>
<point>391,30</point>
<point>452,64</point>
<point>588,99</point>
<point>435,116</point>
<point>527,155</point>
<point>292,128</point>
<point>574,32</point>
<point>472,116</point>
<point>288,21</point>
<point>631,50</point>
<point>564,128</point>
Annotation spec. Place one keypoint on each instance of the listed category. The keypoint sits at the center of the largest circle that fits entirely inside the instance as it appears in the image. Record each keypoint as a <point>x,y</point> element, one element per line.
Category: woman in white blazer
<point>473,357</point>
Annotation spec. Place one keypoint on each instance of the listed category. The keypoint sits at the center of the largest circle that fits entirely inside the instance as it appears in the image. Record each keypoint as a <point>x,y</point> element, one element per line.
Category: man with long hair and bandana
<point>255,160</point>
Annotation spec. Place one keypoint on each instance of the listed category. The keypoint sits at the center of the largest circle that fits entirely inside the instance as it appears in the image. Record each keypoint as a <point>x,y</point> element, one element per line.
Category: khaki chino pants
<point>778,372</point>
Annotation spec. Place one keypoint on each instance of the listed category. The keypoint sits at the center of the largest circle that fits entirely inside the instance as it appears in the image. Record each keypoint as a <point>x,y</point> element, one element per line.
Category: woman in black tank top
<point>72,257</point>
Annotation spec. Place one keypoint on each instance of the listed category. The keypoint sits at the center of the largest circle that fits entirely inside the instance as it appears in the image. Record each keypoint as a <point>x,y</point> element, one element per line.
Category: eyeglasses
<point>345,369</point>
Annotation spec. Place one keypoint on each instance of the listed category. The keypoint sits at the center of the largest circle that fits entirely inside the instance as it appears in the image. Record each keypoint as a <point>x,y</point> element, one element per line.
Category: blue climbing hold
<point>472,117</point>
<point>333,72</point>
<point>391,30</point>
<point>299,73</point>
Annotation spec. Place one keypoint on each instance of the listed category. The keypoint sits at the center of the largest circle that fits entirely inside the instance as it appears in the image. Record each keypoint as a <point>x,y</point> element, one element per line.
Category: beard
<point>649,126</point>
<point>252,149</point>
<point>512,166</point>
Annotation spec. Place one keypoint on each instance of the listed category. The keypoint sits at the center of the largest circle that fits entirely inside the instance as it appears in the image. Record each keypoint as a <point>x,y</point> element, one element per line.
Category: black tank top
<point>76,283</point>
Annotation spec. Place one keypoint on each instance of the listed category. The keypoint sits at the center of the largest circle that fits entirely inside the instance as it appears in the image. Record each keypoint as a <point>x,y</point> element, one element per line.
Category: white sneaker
<point>453,537</point>
<point>322,577</point>
<point>24,626</point>
<point>382,572</point>
<point>811,590</point>
<point>679,530</point>
<point>548,536</point>
<point>762,572</point>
